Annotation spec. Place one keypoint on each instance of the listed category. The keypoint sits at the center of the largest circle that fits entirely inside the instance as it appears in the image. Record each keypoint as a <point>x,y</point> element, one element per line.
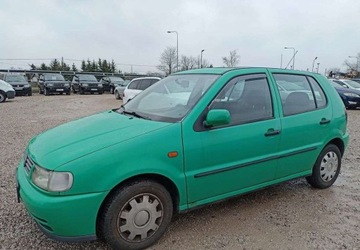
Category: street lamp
<point>357,63</point>
<point>318,65</point>
<point>201,58</point>
<point>293,58</point>
<point>312,70</point>
<point>177,48</point>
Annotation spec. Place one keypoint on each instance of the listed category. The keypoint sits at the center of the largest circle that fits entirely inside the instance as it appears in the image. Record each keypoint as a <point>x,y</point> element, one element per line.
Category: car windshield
<point>353,83</point>
<point>116,79</point>
<point>15,78</point>
<point>170,99</point>
<point>337,85</point>
<point>53,77</point>
<point>87,78</point>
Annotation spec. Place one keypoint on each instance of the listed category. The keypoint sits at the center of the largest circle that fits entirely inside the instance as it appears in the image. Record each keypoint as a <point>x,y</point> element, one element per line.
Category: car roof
<point>223,70</point>
<point>147,77</point>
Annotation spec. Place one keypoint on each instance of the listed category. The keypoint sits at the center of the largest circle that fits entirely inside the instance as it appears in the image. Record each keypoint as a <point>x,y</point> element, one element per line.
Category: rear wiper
<point>136,115</point>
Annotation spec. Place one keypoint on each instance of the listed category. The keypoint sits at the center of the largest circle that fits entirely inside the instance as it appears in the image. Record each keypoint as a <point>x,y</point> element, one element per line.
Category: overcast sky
<point>133,32</point>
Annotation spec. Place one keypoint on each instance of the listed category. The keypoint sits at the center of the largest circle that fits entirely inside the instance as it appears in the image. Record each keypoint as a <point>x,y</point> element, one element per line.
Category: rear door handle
<point>272,132</point>
<point>324,121</point>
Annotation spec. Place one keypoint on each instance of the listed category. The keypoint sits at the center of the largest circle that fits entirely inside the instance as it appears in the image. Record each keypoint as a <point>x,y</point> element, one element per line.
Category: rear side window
<point>144,84</point>
<point>299,93</point>
<point>134,84</point>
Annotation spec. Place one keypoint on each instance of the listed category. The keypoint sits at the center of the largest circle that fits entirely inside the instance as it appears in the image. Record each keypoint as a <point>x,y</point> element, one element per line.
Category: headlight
<point>351,95</point>
<point>100,85</point>
<point>49,84</point>
<point>52,181</point>
<point>26,85</point>
<point>85,84</point>
<point>66,85</point>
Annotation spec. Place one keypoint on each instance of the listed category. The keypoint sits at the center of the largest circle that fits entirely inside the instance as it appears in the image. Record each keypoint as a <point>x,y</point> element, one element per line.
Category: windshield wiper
<point>133,113</point>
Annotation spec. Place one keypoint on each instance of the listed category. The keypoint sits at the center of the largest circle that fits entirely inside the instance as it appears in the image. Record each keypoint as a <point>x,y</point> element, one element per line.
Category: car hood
<point>63,82</point>
<point>347,90</point>
<point>79,138</point>
<point>89,82</point>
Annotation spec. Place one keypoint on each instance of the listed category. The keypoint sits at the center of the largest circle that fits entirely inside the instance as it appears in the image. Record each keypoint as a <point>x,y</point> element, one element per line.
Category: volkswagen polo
<point>120,175</point>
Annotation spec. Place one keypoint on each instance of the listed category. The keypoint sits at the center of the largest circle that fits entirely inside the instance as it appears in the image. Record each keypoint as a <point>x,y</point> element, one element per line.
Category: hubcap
<point>140,217</point>
<point>1,98</point>
<point>329,166</point>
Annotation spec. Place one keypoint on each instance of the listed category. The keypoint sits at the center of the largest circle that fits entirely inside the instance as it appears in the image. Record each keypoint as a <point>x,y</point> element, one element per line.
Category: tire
<point>111,90</point>
<point>68,93</point>
<point>100,92</point>
<point>41,91</point>
<point>30,93</point>
<point>142,225</point>
<point>327,168</point>
<point>74,90</point>
<point>2,96</point>
<point>46,92</point>
<point>81,91</point>
<point>117,95</point>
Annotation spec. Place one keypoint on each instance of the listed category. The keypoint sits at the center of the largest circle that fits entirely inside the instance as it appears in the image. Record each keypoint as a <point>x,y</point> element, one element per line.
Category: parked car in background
<point>111,82</point>
<point>19,83</point>
<point>6,91</point>
<point>356,80</point>
<point>347,83</point>
<point>137,85</point>
<point>119,90</point>
<point>83,83</point>
<point>350,97</point>
<point>192,139</point>
<point>50,83</point>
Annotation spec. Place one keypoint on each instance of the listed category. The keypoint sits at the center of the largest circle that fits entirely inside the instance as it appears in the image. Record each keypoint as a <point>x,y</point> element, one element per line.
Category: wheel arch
<point>339,143</point>
<point>168,184</point>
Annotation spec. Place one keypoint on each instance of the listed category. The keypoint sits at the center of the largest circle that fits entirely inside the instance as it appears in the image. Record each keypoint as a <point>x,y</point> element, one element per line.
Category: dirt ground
<point>291,215</point>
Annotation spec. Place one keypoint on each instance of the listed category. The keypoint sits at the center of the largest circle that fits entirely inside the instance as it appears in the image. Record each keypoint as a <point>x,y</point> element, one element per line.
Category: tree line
<point>168,61</point>
<point>88,66</point>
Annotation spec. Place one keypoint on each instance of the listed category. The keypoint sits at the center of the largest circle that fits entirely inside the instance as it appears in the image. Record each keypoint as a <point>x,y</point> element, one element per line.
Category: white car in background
<point>137,85</point>
<point>6,91</point>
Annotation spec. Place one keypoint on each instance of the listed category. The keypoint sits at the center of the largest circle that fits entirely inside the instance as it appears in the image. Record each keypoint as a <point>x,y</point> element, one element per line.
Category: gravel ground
<point>291,215</point>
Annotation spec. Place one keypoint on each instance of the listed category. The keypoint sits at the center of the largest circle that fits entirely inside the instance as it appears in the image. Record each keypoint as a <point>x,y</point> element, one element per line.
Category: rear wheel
<point>326,168</point>
<point>136,216</point>
<point>2,96</point>
<point>111,90</point>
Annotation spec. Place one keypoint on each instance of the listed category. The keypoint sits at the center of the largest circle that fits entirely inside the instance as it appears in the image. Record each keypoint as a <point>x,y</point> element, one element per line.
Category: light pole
<point>201,58</point>
<point>293,59</point>
<point>357,63</point>
<point>177,47</point>
<point>318,65</point>
<point>312,70</point>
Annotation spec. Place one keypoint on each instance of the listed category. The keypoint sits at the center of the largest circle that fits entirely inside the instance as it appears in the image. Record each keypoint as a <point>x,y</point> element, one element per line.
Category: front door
<point>227,160</point>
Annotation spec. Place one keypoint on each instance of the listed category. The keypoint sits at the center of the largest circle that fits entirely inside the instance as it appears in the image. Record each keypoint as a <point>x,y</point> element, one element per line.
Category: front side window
<point>299,93</point>
<point>247,98</point>
<point>170,99</point>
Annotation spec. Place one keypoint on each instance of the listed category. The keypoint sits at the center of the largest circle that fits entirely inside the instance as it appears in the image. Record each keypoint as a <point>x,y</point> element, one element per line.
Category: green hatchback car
<point>120,175</point>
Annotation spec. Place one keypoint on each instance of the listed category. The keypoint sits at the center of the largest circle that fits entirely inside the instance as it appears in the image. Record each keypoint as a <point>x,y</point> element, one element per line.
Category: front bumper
<point>22,90</point>
<point>10,94</point>
<point>92,89</point>
<point>66,218</point>
<point>60,89</point>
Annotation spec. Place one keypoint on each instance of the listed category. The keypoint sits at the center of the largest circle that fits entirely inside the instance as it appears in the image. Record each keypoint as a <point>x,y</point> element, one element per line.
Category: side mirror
<point>217,117</point>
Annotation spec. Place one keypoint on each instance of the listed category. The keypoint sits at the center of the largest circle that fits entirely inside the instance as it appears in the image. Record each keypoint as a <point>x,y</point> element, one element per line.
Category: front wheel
<point>326,168</point>
<point>136,216</point>
<point>2,96</point>
<point>46,92</point>
<point>117,95</point>
<point>111,90</point>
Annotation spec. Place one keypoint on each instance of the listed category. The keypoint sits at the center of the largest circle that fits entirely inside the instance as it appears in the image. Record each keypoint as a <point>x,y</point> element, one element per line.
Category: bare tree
<point>187,62</point>
<point>168,60</point>
<point>232,60</point>
<point>352,65</point>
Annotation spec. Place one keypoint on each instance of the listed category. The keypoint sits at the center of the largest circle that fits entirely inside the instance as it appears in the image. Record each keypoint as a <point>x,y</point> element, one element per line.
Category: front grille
<point>28,164</point>
<point>93,84</point>
<point>58,84</point>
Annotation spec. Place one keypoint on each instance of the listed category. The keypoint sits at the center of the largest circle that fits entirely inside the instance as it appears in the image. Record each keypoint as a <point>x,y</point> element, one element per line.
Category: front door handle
<point>324,121</point>
<point>272,132</point>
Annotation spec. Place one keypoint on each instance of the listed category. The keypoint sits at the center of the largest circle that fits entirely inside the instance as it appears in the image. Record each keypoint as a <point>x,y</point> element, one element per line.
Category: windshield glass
<point>337,85</point>
<point>53,77</point>
<point>15,78</point>
<point>87,78</point>
<point>171,98</point>
<point>116,79</point>
<point>353,83</point>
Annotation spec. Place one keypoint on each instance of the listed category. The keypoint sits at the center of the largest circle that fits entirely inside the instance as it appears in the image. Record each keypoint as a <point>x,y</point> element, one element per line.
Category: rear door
<point>306,118</point>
